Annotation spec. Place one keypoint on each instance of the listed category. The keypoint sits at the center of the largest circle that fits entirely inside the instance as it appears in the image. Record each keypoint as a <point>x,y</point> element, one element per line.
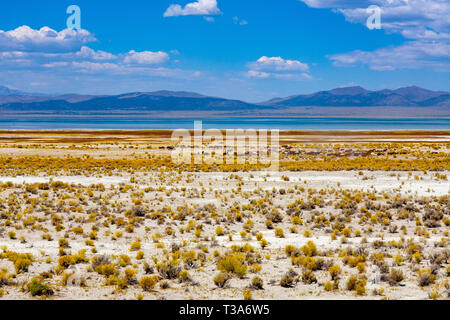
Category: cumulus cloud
<point>88,53</point>
<point>425,22</point>
<point>146,57</point>
<point>336,3</point>
<point>278,64</point>
<point>411,55</point>
<point>26,53</point>
<point>26,39</point>
<point>200,7</point>
<point>277,67</point>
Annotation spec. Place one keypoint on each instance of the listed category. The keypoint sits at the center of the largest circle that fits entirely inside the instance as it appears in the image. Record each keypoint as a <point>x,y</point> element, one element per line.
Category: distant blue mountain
<point>131,102</point>
<point>12,101</point>
<point>360,97</point>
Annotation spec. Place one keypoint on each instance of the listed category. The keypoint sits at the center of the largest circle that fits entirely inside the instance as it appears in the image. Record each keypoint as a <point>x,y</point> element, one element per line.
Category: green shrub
<point>37,288</point>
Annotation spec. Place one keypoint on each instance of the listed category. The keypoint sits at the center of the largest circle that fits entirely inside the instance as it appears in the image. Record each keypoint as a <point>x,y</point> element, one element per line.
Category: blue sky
<point>244,49</point>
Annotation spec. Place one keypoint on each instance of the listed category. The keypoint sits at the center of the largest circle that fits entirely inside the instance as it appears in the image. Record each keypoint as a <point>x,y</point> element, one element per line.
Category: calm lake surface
<point>125,123</point>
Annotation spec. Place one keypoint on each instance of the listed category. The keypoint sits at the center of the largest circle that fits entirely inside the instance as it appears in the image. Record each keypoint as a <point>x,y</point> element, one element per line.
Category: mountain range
<point>360,97</point>
<point>18,102</point>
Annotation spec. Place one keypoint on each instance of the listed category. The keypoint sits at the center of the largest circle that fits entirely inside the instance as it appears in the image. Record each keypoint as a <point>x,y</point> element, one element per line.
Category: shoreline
<point>286,132</point>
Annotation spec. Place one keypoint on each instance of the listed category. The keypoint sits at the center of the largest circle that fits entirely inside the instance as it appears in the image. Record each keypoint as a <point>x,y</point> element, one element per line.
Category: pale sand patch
<point>322,242</point>
<point>107,181</point>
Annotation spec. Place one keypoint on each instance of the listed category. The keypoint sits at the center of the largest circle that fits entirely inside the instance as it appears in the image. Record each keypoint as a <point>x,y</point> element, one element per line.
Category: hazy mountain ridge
<point>12,101</point>
<point>358,96</point>
<point>131,102</point>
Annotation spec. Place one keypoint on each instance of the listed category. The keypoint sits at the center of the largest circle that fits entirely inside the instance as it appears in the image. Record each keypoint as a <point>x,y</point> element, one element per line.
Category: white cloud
<point>88,53</point>
<point>26,39</point>
<point>146,57</point>
<point>411,18</point>
<point>236,20</point>
<point>200,7</point>
<point>426,22</point>
<point>411,55</point>
<point>336,3</point>
<point>277,67</point>
<point>278,64</point>
<point>34,55</point>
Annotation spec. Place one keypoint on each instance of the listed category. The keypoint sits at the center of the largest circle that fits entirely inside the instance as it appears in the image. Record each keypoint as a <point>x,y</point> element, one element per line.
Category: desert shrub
<point>328,286</point>
<point>233,263</point>
<point>99,260</point>
<point>220,231</point>
<point>275,216</point>
<point>334,271</point>
<point>426,277</point>
<point>247,294</point>
<point>138,211</point>
<point>289,250</point>
<point>279,233</point>
<point>22,265</point>
<point>4,278</point>
<point>307,233</point>
<point>263,243</point>
<point>168,270</point>
<point>135,246</point>
<point>357,285</point>
<point>124,260</point>
<point>63,243</point>
<point>69,260</point>
<point>310,249</point>
<point>288,280</point>
<point>184,276</point>
<point>147,283</point>
<point>395,277</point>
<point>417,257</point>
<point>361,266</point>
<point>398,259</point>
<point>257,283</point>
<point>189,259</point>
<point>164,284</point>
<point>221,279</point>
<point>106,270</point>
<point>37,288</point>
<point>21,261</point>
<point>130,276</point>
<point>140,255</point>
<point>308,277</point>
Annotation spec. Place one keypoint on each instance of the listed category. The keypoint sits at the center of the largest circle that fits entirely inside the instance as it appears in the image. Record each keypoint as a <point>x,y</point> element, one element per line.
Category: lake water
<point>124,123</point>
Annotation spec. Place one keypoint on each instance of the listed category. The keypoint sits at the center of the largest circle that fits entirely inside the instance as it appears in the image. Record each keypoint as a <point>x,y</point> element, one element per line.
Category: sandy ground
<point>346,214</point>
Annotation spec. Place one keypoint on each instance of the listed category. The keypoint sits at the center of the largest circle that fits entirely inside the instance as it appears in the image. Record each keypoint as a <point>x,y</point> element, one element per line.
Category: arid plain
<point>108,215</point>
